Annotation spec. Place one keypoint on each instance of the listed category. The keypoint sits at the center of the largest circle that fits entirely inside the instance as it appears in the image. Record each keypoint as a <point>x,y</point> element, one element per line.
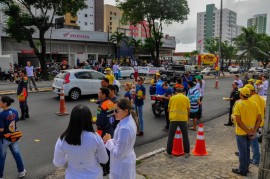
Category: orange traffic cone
<point>216,84</point>
<point>62,111</point>
<point>178,143</point>
<point>200,149</point>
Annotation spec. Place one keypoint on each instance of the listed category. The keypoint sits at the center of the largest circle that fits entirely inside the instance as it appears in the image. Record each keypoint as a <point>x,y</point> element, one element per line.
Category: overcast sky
<point>186,33</point>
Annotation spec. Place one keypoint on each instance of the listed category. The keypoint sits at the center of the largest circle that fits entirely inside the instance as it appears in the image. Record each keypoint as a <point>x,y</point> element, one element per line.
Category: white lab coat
<point>121,147</point>
<point>83,161</point>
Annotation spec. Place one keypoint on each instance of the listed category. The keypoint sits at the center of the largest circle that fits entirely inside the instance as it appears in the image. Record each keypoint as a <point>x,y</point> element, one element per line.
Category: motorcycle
<point>158,105</point>
<point>7,76</point>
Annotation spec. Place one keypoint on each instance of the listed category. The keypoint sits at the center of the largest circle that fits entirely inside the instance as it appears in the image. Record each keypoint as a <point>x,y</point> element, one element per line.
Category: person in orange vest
<point>22,93</point>
<point>105,120</point>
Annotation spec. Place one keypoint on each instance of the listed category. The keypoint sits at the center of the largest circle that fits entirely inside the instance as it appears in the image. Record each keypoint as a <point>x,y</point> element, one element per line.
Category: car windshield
<point>62,74</point>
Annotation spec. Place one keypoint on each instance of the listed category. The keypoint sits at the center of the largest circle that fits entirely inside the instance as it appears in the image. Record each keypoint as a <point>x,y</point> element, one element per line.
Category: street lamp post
<point>220,33</point>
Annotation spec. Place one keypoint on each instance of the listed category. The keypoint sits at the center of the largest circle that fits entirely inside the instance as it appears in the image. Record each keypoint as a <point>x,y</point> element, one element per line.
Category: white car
<point>252,69</point>
<point>235,70</point>
<point>77,82</point>
<point>126,72</point>
<point>208,71</point>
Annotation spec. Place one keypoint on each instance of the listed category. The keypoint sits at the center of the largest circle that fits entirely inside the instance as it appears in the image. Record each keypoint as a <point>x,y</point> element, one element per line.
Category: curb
<point>147,155</point>
<point>8,92</point>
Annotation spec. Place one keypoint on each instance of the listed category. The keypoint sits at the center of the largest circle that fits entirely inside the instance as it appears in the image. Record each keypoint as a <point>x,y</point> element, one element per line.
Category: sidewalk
<point>220,144</point>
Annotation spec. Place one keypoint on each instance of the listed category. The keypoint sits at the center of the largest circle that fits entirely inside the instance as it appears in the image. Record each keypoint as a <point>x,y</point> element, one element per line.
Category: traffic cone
<point>178,143</point>
<point>216,84</point>
<point>200,149</point>
<point>62,111</point>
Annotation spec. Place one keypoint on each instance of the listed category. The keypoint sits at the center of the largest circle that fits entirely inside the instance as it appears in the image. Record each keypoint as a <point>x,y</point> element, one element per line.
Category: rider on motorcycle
<point>159,88</point>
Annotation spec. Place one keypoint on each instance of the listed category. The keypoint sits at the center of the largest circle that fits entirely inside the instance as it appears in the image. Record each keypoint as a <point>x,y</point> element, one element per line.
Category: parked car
<point>235,70</point>
<point>208,71</point>
<point>126,72</point>
<point>252,69</point>
<point>78,82</point>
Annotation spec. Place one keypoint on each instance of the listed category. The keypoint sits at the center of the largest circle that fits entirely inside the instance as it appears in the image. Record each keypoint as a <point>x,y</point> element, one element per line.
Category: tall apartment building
<point>208,26</point>
<point>259,22</point>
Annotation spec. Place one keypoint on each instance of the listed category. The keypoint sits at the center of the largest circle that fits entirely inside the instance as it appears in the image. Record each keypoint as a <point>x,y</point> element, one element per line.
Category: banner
<point>208,59</point>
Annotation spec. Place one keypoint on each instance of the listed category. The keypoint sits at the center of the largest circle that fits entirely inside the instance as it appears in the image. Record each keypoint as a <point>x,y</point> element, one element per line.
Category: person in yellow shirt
<point>261,104</point>
<point>178,109</point>
<point>110,76</point>
<point>248,119</point>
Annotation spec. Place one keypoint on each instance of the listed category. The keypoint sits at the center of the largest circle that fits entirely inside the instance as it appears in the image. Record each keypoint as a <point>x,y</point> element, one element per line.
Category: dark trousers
<point>106,167</point>
<point>200,109</point>
<point>24,107</point>
<point>243,144</point>
<point>230,114</point>
<point>167,117</point>
<point>31,78</point>
<point>172,130</point>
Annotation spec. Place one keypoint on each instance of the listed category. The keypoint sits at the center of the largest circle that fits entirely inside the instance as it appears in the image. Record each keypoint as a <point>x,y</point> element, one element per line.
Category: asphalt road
<point>42,129</point>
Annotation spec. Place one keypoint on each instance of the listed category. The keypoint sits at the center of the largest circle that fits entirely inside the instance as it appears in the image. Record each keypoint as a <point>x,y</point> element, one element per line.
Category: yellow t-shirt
<point>179,105</point>
<point>110,78</point>
<point>261,104</point>
<point>248,111</point>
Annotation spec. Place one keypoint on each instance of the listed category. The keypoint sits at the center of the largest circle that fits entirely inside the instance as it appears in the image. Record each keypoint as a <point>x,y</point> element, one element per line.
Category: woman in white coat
<point>80,147</point>
<point>121,147</point>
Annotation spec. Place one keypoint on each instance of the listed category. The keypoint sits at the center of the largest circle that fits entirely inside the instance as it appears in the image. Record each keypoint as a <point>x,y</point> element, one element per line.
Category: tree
<point>264,45</point>
<point>163,12</point>
<point>212,45</point>
<point>229,51</point>
<point>194,53</point>
<point>149,45</point>
<point>117,38</point>
<point>135,44</point>
<point>22,23</point>
<point>187,55</point>
<point>248,43</point>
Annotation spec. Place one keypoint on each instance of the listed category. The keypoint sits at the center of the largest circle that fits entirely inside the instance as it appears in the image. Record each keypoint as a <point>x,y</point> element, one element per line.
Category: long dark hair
<point>126,104</point>
<point>80,120</point>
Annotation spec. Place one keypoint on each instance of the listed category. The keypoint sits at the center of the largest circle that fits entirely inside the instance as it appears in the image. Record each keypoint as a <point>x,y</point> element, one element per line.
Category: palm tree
<point>135,44</point>
<point>264,45</point>
<point>117,38</point>
<point>248,44</point>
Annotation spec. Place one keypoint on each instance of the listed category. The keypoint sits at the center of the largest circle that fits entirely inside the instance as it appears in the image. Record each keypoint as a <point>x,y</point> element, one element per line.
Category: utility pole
<point>264,167</point>
<point>220,34</point>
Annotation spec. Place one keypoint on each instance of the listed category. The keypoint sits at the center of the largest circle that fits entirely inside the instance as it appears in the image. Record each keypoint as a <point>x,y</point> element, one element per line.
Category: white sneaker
<point>22,174</point>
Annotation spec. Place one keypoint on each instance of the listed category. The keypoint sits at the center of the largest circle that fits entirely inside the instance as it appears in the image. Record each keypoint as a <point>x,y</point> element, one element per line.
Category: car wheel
<point>74,94</point>
<point>132,76</point>
<point>124,77</point>
<point>116,89</point>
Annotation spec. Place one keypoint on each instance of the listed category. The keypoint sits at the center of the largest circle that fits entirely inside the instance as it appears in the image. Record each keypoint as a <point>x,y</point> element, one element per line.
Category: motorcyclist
<point>159,88</point>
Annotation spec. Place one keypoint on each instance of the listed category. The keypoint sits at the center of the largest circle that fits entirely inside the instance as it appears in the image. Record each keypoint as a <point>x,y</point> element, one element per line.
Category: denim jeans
<point>139,110</point>
<point>14,148</point>
<point>256,151</point>
<point>173,127</point>
<point>116,76</point>
<point>243,145</point>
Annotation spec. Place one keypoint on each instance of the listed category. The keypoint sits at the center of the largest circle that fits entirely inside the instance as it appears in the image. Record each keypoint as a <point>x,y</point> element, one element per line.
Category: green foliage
<point>212,45</point>
<point>161,11</point>
<point>250,44</point>
<point>22,23</point>
<point>117,38</point>
<point>194,53</point>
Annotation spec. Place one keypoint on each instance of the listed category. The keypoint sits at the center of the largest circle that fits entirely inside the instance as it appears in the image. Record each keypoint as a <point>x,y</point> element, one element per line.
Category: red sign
<point>27,51</point>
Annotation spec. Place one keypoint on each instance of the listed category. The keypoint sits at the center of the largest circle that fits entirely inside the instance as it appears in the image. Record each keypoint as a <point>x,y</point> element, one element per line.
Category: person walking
<point>261,104</point>
<point>31,76</point>
<point>113,98</point>
<point>80,147</point>
<point>22,93</point>
<point>234,96</point>
<point>265,85</point>
<point>105,119</point>
<point>121,147</point>
<point>110,76</point>
<point>247,121</point>
<point>179,109</point>
<point>166,98</point>
<point>194,97</point>
<point>116,70</point>
<point>139,102</point>
<point>8,124</point>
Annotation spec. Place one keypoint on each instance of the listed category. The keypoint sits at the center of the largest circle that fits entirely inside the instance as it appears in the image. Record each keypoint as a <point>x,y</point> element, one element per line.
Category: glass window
<point>83,75</point>
<point>96,75</point>
<point>85,23</point>
<point>85,15</point>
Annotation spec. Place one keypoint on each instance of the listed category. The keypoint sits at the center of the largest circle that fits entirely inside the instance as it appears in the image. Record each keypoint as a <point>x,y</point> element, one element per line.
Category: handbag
<point>13,136</point>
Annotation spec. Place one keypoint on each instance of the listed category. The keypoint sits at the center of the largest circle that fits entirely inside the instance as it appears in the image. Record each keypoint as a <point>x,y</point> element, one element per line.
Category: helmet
<point>164,77</point>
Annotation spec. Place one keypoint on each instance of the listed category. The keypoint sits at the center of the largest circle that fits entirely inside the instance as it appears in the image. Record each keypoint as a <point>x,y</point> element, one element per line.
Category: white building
<point>208,26</point>
<point>86,17</point>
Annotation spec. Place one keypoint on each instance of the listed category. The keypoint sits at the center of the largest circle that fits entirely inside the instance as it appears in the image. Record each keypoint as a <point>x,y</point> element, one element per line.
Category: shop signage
<point>27,51</point>
<point>208,59</point>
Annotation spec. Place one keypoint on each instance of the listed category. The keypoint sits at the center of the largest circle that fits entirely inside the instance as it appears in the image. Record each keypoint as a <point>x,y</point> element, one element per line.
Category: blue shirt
<point>185,82</point>
<point>140,90</point>
<point>193,95</point>
<point>8,119</point>
<point>128,95</point>
<point>169,91</point>
<point>159,88</point>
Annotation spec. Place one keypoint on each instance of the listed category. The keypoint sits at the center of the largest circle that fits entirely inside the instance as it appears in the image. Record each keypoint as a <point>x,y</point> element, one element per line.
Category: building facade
<point>208,26</point>
<point>258,22</point>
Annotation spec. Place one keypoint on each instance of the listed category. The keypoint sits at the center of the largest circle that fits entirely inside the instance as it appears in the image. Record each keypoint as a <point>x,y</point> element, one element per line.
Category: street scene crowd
<point>119,119</point>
